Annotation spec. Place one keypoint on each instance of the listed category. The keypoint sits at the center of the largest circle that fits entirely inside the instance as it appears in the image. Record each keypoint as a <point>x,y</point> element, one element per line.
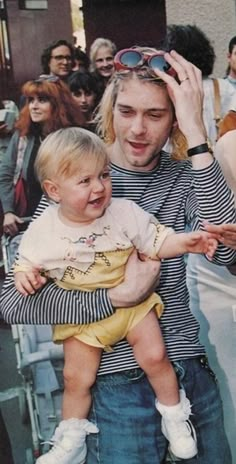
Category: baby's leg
<point>149,350</point>
<point>69,439</point>
<point>150,353</point>
<point>80,370</point>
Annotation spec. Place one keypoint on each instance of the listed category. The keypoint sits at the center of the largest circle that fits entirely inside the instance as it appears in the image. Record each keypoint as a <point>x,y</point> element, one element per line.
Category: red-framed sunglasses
<point>131,59</point>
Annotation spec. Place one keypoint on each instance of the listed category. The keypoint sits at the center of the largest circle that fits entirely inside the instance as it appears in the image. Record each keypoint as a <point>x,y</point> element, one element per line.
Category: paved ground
<point>10,383</point>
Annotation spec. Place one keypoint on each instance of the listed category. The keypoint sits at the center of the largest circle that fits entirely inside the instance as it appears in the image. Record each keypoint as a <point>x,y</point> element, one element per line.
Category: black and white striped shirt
<point>178,196</point>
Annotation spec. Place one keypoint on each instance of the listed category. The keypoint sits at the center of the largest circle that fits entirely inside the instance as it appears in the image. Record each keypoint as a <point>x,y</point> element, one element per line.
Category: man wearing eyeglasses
<point>151,99</point>
<point>58,59</point>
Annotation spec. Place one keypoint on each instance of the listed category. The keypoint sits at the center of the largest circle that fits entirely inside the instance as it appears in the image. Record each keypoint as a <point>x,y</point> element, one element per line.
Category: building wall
<point>125,22</point>
<point>30,31</point>
<point>216,18</point>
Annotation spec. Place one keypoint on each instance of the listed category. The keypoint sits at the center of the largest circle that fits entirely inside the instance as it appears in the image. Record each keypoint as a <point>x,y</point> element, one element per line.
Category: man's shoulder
<point>47,211</point>
<point>169,164</point>
<point>43,204</point>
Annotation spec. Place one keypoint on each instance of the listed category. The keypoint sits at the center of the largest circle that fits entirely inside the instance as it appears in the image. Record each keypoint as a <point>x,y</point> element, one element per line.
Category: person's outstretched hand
<point>225,233</point>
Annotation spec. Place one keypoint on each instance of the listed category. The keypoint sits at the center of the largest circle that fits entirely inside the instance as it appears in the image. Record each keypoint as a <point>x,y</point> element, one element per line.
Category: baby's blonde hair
<point>67,150</point>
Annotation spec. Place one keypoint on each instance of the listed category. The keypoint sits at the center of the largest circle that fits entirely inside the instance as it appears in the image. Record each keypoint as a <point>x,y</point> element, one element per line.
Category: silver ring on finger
<point>185,79</point>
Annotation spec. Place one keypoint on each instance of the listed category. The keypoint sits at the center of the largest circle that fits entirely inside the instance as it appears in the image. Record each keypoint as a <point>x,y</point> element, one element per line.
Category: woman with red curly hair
<point>48,107</point>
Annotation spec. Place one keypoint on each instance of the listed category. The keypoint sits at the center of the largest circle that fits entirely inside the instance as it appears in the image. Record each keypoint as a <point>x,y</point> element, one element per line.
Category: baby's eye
<point>105,175</point>
<point>84,181</point>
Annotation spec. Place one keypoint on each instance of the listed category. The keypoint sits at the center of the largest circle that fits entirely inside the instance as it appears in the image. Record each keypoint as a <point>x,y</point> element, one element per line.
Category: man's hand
<point>140,280</point>
<point>27,282</point>
<point>186,93</point>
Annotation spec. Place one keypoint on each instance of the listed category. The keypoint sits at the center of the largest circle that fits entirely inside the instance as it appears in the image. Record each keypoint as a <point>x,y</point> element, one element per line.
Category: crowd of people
<point>141,388</point>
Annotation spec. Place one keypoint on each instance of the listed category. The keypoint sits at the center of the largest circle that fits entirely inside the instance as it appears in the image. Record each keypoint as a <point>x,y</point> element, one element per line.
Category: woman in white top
<point>213,299</point>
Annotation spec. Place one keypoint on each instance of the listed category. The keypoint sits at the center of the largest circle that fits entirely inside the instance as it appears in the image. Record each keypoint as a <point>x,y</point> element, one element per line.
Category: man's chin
<point>143,161</point>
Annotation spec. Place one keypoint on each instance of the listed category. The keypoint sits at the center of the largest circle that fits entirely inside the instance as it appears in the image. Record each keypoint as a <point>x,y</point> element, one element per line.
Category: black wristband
<point>203,148</point>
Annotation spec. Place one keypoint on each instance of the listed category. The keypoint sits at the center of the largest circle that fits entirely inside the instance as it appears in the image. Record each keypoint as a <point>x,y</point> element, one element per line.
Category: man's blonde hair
<point>67,150</point>
<point>104,114</point>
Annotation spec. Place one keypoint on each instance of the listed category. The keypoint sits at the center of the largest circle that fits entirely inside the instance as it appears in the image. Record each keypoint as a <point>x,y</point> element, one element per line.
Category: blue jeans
<point>130,426</point>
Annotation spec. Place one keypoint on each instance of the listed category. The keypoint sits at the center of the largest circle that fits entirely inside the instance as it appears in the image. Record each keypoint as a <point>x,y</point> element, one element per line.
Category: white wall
<point>217,18</point>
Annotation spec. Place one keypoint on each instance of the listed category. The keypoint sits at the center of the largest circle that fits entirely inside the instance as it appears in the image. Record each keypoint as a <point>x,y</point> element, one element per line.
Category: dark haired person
<point>81,60</point>
<point>192,43</point>
<point>231,70</point>
<point>85,92</point>
<point>58,59</point>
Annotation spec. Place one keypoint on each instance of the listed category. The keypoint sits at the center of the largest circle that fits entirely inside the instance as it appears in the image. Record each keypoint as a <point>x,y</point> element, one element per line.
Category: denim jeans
<point>130,426</point>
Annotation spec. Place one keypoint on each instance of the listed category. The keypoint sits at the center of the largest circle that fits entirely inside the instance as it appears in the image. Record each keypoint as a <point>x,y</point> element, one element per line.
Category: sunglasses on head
<point>131,59</point>
<point>48,78</point>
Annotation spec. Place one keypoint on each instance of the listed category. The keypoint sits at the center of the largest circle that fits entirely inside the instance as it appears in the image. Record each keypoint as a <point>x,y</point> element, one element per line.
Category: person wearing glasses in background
<point>58,59</point>
<point>148,101</point>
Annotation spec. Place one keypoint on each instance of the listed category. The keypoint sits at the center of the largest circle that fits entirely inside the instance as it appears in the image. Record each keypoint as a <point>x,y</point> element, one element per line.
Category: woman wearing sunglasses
<point>49,106</point>
<point>141,109</point>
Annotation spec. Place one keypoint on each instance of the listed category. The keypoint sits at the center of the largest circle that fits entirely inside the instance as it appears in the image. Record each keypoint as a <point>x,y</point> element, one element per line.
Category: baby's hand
<point>27,282</point>
<point>202,242</point>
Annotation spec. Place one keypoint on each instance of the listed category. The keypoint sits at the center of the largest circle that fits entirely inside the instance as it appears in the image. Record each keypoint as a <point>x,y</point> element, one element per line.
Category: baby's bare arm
<point>28,282</point>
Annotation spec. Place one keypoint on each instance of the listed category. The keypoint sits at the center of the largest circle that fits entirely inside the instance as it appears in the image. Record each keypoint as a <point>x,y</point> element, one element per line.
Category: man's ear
<point>174,125</point>
<point>52,190</point>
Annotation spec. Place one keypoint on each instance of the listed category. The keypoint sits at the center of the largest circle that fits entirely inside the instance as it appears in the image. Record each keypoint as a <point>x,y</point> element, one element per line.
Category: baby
<point>86,238</point>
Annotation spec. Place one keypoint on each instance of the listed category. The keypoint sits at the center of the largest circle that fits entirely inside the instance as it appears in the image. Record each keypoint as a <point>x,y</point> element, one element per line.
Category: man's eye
<point>155,115</point>
<point>125,111</point>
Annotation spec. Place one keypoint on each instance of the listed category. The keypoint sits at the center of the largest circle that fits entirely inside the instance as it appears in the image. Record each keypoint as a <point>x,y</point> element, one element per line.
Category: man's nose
<point>138,125</point>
